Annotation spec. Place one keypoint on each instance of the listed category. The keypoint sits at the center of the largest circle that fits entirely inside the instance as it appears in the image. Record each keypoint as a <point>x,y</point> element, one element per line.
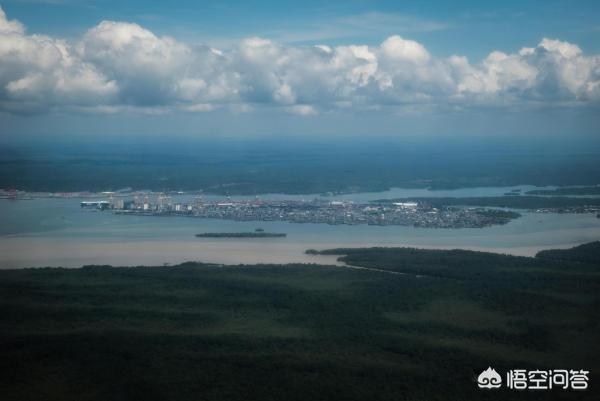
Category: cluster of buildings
<point>301,211</point>
<point>572,209</point>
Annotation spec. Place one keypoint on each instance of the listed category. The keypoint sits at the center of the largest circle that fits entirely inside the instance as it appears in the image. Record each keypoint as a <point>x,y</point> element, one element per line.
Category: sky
<point>347,68</point>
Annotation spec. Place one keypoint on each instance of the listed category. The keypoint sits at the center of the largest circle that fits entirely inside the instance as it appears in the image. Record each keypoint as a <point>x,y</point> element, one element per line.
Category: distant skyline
<point>345,68</point>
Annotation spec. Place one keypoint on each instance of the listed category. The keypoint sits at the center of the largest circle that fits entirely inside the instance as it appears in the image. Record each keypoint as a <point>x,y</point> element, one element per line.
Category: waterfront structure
<point>103,205</point>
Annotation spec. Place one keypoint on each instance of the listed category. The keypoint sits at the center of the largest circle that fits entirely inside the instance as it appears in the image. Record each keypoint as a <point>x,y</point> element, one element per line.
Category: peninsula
<point>417,214</point>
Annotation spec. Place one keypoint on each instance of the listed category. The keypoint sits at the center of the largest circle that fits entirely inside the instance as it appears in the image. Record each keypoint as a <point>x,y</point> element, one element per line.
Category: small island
<point>255,234</point>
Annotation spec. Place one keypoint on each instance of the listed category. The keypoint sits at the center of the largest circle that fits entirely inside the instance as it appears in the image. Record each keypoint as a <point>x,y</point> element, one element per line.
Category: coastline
<point>56,232</point>
<point>26,252</point>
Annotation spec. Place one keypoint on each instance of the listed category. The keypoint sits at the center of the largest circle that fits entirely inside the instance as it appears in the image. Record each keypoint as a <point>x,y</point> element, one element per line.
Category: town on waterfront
<point>309,211</point>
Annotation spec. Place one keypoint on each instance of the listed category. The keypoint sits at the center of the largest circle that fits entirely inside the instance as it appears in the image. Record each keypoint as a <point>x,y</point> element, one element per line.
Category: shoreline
<point>58,233</point>
<point>57,253</point>
<point>84,194</point>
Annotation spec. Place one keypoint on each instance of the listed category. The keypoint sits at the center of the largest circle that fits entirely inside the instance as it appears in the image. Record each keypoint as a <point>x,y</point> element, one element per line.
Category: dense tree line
<point>299,332</point>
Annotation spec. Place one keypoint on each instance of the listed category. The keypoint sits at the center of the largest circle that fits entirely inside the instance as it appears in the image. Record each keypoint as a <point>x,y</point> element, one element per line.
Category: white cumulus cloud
<point>120,66</point>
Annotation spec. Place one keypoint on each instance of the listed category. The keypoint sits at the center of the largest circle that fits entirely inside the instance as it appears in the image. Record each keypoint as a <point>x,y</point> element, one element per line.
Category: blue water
<point>57,232</point>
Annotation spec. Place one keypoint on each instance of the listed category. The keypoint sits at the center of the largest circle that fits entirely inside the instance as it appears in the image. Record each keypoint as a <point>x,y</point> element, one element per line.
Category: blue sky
<point>472,28</point>
<point>395,67</point>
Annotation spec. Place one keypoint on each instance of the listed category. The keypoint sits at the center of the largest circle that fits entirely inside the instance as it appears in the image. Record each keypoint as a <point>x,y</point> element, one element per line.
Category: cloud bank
<point>120,66</point>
